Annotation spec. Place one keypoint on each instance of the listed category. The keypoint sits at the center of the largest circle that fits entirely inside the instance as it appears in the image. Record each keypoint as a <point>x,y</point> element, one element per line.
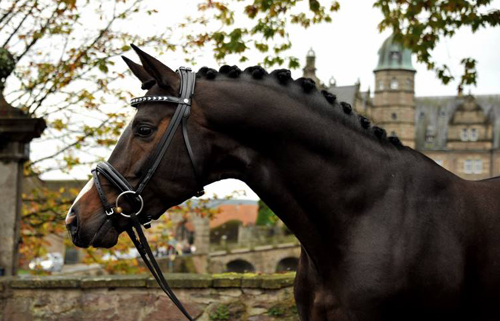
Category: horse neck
<point>313,165</point>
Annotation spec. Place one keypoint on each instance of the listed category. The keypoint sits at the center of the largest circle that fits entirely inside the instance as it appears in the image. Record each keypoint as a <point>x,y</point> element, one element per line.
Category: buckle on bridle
<point>124,193</point>
<point>111,212</point>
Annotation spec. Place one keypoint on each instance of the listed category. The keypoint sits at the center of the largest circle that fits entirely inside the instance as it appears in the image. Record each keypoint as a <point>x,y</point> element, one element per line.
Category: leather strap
<point>100,191</point>
<point>181,114</point>
<point>199,186</point>
<point>144,250</point>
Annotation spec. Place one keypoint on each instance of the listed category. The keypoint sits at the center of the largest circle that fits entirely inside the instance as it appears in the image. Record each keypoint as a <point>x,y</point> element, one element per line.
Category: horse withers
<point>386,233</point>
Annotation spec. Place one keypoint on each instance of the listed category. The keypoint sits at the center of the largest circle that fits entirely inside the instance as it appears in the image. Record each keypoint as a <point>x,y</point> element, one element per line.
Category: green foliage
<point>265,216</point>
<point>276,311</point>
<point>285,309</point>
<point>420,25</point>
<point>265,27</point>
<point>221,313</point>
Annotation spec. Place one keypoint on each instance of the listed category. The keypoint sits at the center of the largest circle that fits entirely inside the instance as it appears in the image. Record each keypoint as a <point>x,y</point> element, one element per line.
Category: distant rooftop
<point>392,56</point>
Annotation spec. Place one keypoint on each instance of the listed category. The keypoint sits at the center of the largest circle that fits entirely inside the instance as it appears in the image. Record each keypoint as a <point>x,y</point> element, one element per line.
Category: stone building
<point>460,133</point>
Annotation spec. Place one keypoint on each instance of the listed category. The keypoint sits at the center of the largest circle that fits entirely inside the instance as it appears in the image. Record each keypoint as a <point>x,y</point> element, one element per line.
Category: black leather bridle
<point>133,194</point>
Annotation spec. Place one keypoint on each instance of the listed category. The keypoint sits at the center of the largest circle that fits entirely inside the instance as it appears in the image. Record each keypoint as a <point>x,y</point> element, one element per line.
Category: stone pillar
<point>16,132</point>
<point>201,234</point>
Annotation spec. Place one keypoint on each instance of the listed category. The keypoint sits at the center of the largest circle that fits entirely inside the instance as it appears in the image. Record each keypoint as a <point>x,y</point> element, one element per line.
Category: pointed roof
<point>392,56</point>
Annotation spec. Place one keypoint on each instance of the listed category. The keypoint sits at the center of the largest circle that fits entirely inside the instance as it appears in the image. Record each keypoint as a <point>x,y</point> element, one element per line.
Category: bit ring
<point>129,192</point>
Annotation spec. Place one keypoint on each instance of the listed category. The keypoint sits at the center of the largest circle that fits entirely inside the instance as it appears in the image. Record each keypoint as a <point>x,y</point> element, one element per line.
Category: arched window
<point>287,264</point>
<point>394,83</point>
<point>239,266</point>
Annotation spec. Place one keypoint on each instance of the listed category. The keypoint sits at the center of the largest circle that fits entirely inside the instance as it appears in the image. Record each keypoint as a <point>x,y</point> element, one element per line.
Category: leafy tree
<point>254,25</point>
<point>265,216</point>
<point>65,53</point>
<point>420,24</point>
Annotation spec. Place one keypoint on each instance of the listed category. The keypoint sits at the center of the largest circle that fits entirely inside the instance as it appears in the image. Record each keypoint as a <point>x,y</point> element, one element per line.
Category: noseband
<point>133,194</point>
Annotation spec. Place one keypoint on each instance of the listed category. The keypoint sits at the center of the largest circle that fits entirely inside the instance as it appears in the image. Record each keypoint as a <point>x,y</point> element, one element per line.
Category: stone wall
<point>263,258</point>
<point>221,297</point>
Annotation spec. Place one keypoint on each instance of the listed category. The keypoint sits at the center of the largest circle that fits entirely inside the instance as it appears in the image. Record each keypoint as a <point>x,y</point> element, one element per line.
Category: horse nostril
<point>72,222</point>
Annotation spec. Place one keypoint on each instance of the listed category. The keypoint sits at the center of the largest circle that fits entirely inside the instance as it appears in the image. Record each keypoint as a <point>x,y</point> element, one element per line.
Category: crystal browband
<point>138,100</point>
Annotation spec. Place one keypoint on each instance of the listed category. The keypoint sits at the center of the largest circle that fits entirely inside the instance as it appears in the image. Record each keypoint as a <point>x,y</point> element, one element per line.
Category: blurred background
<point>427,71</point>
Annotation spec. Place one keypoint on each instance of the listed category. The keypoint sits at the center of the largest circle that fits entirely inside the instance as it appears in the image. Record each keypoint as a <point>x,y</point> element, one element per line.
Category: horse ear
<point>164,76</point>
<point>147,80</point>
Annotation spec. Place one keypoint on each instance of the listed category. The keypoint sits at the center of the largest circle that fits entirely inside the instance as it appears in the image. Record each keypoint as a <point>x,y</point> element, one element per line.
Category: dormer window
<point>395,57</point>
<point>394,83</point>
<point>473,134</point>
<point>464,134</point>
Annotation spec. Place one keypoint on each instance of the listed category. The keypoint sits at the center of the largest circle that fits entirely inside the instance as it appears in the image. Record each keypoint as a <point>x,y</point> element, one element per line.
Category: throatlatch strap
<point>199,186</point>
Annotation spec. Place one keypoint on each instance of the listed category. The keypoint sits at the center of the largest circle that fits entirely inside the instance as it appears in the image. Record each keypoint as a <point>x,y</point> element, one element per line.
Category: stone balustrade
<point>217,297</point>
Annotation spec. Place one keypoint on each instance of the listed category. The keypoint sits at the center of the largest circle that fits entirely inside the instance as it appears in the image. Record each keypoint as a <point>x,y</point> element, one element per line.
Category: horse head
<point>174,180</point>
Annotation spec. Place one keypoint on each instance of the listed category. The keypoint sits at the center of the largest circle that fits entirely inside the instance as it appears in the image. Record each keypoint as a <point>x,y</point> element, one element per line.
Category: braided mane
<point>284,76</point>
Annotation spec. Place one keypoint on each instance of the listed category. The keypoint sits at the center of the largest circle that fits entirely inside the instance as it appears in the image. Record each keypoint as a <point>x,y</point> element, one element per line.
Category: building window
<point>394,83</point>
<point>395,57</point>
<point>381,85</point>
<point>473,166</point>
<point>464,135</point>
<point>468,166</point>
<point>394,116</point>
<point>478,166</point>
<point>473,134</point>
<point>409,84</point>
<point>393,133</point>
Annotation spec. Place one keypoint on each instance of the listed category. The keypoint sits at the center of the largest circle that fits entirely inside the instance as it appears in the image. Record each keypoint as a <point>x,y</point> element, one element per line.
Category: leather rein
<point>133,194</point>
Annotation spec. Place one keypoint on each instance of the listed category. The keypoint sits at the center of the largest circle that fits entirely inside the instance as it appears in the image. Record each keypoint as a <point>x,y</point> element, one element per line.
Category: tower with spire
<point>310,68</point>
<point>394,99</point>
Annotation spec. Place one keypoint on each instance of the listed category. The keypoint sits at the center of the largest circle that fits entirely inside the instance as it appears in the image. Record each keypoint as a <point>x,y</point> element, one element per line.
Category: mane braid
<point>284,76</point>
<point>346,107</point>
<point>257,72</point>
<point>206,72</point>
<point>379,132</point>
<point>365,122</point>
<point>331,98</point>
<point>307,84</point>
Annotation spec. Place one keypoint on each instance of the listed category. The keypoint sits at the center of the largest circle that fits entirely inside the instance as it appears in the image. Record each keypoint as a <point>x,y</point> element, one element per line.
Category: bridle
<point>133,194</point>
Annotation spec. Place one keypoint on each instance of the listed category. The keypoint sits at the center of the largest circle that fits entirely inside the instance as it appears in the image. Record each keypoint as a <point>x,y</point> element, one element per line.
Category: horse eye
<point>144,131</point>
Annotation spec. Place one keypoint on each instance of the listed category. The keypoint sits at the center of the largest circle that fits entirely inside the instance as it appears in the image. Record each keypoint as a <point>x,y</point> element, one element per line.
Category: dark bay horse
<point>386,233</point>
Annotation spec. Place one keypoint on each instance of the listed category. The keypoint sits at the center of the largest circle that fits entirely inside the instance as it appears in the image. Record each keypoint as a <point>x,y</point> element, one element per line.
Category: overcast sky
<point>346,49</point>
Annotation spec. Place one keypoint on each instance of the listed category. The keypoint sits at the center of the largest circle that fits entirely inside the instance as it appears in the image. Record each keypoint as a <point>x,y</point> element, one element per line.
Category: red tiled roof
<point>246,213</point>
